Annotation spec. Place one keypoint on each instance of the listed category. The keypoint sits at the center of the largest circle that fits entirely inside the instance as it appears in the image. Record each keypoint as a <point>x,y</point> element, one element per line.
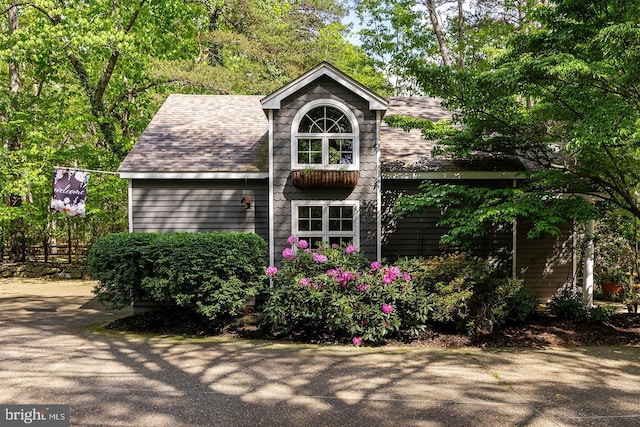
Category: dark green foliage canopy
<point>564,97</point>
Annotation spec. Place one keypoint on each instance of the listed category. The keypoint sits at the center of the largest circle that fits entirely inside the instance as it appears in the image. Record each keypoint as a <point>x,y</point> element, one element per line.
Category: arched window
<point>324,135</point>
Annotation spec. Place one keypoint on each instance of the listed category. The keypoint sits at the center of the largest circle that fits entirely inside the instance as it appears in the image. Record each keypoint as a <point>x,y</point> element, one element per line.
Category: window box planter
<point>324,178</point>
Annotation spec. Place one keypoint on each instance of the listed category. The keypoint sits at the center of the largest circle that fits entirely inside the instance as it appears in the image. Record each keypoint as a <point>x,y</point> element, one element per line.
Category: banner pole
<point>86,170</point>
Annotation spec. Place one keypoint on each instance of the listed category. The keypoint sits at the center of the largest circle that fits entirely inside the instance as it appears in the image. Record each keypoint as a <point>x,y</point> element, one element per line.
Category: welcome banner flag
<point>70,191</point>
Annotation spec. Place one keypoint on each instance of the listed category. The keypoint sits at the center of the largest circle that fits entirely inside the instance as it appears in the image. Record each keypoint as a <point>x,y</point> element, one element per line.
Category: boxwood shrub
<point>211,273</point>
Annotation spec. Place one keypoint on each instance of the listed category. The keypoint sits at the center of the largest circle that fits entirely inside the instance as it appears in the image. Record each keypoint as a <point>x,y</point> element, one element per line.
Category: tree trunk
<point>437,29</point>
<point>461,44</point>
<point>17,238</point>
<point>14,77</point>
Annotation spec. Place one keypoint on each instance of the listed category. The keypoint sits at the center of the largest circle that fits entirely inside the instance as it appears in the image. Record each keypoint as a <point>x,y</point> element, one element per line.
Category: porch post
<point>587,282</point>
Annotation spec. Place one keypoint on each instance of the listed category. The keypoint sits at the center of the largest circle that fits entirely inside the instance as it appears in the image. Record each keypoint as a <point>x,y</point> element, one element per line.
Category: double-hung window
<point>324,136</point>
<point>335,222</point>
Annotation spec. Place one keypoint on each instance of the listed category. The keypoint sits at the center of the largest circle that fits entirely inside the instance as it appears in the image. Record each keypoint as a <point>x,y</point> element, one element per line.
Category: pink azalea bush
<point>334,291</point>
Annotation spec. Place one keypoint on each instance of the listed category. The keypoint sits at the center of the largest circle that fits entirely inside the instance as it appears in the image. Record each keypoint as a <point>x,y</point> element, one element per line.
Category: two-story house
<point>315,159</point>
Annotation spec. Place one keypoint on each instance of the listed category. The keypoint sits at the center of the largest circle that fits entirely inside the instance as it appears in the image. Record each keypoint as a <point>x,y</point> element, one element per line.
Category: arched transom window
<point>325,136</point>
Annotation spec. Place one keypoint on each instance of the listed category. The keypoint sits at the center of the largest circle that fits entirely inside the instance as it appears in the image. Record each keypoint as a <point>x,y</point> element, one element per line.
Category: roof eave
<point>273,101</point>
<point>192,175</point>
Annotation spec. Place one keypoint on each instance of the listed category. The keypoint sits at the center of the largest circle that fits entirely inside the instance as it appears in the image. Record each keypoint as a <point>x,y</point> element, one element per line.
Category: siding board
<point>199,205</point>
<point>545,264</point>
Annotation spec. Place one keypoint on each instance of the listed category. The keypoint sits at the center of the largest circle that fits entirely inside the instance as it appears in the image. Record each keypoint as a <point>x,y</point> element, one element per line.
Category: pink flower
<point>288,254</point>
<point>304,281</point>
<point>395,270</point>
<point>375,265</point>
<point>387,308</point>
<point>357,341</point>
<point>387,279</point>
<point>350,249</point>
<point>347,275</point>
<point>292,240</point>
<point>407,277</point>
<point>271,270</point>
<point>303,244</point>
<point>362,287</point>
<point>319,257</point>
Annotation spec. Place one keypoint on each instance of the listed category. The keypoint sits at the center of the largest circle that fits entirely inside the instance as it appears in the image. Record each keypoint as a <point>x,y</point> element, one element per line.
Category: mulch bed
<point>542,331</point>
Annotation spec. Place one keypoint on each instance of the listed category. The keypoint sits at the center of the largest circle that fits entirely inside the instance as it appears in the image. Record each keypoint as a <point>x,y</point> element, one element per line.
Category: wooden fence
<point>60,253</point>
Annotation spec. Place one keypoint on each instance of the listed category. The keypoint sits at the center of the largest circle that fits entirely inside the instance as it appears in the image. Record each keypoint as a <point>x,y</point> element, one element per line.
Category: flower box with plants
<point>320,178</point>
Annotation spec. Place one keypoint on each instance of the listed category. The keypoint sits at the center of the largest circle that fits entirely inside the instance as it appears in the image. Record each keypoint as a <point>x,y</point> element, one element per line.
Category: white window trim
<point>325,219</point>
<point>325,137</point>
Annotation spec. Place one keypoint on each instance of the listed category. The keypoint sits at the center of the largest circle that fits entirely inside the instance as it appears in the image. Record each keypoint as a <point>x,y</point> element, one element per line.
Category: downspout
<point>271,225</point>
<point>130,205</point>
<point>378,189</point>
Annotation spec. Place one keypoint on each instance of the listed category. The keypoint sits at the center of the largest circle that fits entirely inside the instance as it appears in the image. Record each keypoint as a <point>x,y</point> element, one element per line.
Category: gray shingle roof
<point>408,152</point>
<point>229,133</point>
<point>203,133</point>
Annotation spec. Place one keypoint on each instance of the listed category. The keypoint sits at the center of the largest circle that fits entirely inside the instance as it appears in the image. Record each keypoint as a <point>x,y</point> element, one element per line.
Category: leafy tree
<point>85,78</point>
<point>563,96</point>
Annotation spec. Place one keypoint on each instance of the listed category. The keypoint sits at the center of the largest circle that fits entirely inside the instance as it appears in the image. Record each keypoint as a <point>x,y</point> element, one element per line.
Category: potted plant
<point>613,284</point>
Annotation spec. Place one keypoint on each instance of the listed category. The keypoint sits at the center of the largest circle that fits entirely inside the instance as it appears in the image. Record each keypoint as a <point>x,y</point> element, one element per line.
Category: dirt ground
<point>542,331</point>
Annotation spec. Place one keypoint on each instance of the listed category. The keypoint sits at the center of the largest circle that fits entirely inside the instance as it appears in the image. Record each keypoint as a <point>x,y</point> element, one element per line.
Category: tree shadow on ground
<point>119,379</point>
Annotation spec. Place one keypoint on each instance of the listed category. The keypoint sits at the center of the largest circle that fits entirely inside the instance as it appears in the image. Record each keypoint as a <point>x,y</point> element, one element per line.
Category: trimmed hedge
<point>211,273</point>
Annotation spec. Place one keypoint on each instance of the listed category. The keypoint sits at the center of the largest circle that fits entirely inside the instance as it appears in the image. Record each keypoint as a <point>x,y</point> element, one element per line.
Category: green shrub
<point>335,293</point>
<point>211,273</point>
<point>570,303</point>
<point>468,292</point>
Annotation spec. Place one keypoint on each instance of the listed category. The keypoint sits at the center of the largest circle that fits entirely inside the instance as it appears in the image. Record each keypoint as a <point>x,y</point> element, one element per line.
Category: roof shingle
<point>229,133</point>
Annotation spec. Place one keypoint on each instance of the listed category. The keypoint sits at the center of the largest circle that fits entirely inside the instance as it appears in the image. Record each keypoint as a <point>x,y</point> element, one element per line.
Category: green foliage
<point>470,212</point>
<point>562,97</point>
<point>330,293</point>
<point>210,273</point>
<point>341,297</point>
<point>570,303</point>
<point>92,74</point>
<point>468,292</point>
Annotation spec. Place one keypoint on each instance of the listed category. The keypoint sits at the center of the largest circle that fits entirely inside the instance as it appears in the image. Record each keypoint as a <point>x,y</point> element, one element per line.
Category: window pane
<point>325,120</point>
<point>340,218</point>
<point>310,151</point>
<point>310,218</point>
<point>316,225</point>
<point>337,122</point>
<point>341,151</point>
<point>312,122</point>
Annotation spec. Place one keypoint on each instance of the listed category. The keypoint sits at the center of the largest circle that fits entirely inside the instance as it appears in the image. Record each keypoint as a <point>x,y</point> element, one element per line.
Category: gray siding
<point>199,205</point>
<point>285,192</point>
<point>545,264</point>
<point>419,235</point>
